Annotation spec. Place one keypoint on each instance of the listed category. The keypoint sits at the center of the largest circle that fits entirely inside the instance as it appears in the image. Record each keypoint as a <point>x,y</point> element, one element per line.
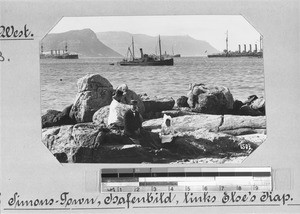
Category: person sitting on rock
<point>132,121</point>
<point>124,89</point>
<point>134,130</point>
<point>117,111</point>
<point>167,131</point>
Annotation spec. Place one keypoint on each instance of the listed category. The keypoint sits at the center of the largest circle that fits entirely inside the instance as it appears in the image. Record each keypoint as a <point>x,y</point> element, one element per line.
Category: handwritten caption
<point>129,200</point>
<point>1,57</point>
<point>11,32</point>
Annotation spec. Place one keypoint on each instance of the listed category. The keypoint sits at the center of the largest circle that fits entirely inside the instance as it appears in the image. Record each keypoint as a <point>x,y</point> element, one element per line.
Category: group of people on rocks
<point>127,117</point>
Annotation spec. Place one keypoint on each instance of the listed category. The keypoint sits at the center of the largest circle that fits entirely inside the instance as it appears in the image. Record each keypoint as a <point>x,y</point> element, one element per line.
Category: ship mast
<point>159,47</point>
<point>66,48</point>
<point>132,49</point>
<point>227,41</point>
<point>260,43</point>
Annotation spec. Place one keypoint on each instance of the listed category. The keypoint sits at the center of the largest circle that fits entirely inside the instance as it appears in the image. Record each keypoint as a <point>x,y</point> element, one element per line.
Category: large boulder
<point>182,102</point>
<point>57,118</point>
<point>48,119</point>
<point>210,100</point>
<point>229,124</point>
<point>101,116</point>
<point>94,92</point>
<point>157,104</point>
<point>187,123</point>
<point>233,122</point>
<point>253,106</point>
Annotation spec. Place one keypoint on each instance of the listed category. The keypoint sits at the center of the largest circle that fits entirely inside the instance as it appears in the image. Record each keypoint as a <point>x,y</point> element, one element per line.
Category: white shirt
<point>116,113</point>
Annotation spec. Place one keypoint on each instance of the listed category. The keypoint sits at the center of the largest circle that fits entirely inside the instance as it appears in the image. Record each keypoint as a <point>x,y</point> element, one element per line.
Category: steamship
<point>239,53</point>
<point>146,60</point>
<point>58,54</point>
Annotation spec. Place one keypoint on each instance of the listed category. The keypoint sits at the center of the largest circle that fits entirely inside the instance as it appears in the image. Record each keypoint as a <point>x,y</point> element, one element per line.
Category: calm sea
<point>243,76</point>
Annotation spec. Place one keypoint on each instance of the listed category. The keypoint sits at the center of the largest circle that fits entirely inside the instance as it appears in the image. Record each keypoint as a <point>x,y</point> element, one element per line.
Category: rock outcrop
<point>229,124</point>
<point>210,100</point>
<point>254,106</point>
<point>57,118</point>
<point>94,92</point>
<point>205,127</point>
<point>101,116</point>
<point>155,105</point>
<point>182,102</point>
<point>196,137</point>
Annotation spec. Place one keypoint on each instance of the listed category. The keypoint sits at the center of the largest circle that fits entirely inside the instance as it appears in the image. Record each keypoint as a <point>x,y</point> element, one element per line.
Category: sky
<point>209,28</point>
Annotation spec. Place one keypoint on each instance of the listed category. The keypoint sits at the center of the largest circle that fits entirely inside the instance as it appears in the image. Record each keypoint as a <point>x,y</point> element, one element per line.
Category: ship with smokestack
<point>240,53</point>
<point>146,60</point>
<point>57,54</point>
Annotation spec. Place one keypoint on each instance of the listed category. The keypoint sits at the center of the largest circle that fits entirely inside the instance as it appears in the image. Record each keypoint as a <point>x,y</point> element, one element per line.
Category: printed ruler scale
<point>185,179</point>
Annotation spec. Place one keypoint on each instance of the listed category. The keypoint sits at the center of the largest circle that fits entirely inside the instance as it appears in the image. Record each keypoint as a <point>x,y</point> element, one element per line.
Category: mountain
<point>184,45</point>
<point>84,42</point>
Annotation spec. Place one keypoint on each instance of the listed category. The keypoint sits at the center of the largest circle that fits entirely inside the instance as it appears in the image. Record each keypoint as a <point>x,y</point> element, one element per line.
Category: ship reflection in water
<point>57,54</point>
<point>239,53</point>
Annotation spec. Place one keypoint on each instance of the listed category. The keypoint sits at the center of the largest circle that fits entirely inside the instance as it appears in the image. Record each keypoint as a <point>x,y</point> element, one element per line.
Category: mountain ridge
<point>179,44</point>
<point>84,42</point>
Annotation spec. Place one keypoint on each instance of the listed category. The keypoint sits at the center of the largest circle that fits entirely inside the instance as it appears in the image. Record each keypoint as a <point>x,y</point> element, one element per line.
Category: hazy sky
<point>209,28</point>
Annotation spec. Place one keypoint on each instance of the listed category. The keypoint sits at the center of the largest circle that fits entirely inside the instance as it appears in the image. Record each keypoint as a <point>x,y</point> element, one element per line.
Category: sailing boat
<point>146,60</point>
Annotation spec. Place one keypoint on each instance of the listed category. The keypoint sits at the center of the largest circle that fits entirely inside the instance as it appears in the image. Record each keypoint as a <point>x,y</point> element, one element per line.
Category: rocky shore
<point>210,127</point>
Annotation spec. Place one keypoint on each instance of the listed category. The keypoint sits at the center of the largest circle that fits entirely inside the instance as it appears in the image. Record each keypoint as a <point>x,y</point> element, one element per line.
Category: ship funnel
<point>250,47</point>
<point>244,47</point>
<point>142,54</point>
<point>239,48</point>
<point>255,47</point>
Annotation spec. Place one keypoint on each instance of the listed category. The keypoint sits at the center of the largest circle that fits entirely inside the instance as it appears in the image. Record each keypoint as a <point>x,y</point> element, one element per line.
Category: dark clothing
<point>132,123</point>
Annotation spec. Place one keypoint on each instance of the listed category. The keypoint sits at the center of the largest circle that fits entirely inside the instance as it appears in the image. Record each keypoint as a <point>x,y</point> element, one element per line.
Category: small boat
<point>146,60</point>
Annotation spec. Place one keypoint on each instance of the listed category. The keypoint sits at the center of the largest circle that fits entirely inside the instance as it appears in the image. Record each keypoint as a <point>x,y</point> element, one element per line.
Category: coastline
<point>210,127</point>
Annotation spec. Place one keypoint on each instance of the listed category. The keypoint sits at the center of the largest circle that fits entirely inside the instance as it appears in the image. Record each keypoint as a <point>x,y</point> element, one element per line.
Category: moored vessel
<point>145,59</point>
<point>239,53</point>
<point>57,54</point>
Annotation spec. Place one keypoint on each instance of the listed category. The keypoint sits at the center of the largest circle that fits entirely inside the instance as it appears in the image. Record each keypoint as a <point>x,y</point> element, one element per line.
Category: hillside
<point>84,42</point>
<point>184,45</point>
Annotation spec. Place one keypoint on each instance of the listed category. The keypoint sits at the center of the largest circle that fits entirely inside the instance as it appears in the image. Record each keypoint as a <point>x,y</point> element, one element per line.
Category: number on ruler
<point>171,188</point>
<point>120,189</point>
<point>112,189</point>
<point>154,189</point>
<point>239,188</point>
<point>137,189</point>
<point>187,188</point>
<point>221,188</point>
<point>205,188</point>
<point>255,187</point>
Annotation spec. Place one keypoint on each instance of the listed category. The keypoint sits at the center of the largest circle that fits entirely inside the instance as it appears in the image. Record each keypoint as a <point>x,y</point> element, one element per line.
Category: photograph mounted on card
<point>166,89</point>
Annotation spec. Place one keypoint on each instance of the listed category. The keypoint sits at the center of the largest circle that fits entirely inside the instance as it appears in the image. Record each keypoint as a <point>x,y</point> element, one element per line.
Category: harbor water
<point>243,76</point>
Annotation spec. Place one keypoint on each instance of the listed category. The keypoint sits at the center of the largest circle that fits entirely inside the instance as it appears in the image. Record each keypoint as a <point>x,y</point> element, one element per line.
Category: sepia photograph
<point>153,89</point>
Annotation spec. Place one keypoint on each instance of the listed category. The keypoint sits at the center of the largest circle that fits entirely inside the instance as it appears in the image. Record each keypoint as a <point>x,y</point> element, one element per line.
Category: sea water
<point>243,76</point>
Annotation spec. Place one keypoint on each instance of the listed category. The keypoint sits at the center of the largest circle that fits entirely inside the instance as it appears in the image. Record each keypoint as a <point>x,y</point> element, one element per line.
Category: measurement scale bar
<point>182,179</point>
